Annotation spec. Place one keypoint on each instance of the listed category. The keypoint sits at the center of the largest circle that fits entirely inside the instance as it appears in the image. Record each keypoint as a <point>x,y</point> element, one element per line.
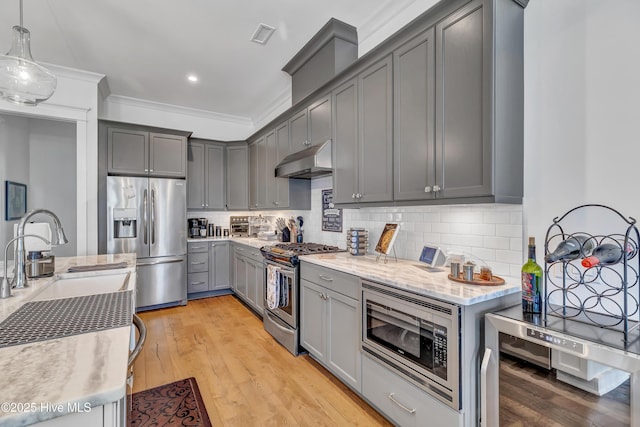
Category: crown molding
<point>73,73</point>
<point>280,104</point>
<point>177,109</point>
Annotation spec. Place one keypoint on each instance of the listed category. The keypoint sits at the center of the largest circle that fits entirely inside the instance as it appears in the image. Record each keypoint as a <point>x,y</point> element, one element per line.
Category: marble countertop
<point>45,379</point>
<point>249,241</point>
<point>413,276</point>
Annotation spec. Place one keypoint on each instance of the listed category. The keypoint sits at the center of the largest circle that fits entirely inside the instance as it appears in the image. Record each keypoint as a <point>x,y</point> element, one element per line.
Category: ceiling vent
<point>262,34</point>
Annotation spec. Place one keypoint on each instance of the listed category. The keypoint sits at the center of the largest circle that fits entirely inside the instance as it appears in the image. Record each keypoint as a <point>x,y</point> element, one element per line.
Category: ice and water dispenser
<point>125,223</point>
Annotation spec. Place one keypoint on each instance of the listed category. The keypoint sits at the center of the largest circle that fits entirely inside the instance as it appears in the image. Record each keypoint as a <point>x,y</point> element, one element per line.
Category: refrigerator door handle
<point>153,217</point>
<point>144,217</point>
<point>163,261</point>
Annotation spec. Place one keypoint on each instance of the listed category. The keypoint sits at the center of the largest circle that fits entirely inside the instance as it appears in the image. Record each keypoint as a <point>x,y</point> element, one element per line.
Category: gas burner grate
<point>308,248</point>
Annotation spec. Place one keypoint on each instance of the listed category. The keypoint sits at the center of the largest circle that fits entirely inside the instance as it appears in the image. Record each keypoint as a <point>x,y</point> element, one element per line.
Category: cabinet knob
<point>276,203</point>
<point>146,170</point>
<point>213,245</point>
<point>306,143</point>
<point>353,196</point>
<point>203,205</point>
<point>150,170</point>
<point>427,189</point>
<point>436,188</point>
<point>358,196</point>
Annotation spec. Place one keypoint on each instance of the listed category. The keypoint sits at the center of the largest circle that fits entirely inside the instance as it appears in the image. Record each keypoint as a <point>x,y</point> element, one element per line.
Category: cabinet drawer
<point>337,281</point>
<point>198,262</point>
<point>197,282</point>
<point>249,252</point>
<point>396,398</point>
<point>195,247</point>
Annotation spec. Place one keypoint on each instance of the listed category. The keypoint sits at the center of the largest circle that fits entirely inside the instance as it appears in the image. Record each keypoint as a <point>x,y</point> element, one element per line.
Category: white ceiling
<point>146,48</point>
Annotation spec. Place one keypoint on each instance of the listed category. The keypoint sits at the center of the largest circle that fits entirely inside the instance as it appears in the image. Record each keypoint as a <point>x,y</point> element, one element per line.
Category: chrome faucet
<point>5,289</point>
<point>59,238</point>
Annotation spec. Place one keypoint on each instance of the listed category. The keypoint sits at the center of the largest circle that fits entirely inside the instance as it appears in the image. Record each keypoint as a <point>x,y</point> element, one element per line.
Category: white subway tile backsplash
<point>497,217</point>
<point>431,217</point>
<point>515,244</point>
<point>483,229</point>
<point>516,218</point>
<point>484,254</point>
<point>510,257</point>
<point>503,230</point>
<point>496,242</point>
<point>462,240</point>
<point>462,216</point>
<point>457,228</point>
<point>439,227</point>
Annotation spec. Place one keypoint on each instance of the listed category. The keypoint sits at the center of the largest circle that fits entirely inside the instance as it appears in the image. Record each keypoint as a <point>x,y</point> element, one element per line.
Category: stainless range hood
<point>308,163</point>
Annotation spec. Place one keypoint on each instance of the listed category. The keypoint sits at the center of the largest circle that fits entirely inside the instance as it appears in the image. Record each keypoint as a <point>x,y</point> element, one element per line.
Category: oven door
<point>420,343</point>
<point>288,313</point>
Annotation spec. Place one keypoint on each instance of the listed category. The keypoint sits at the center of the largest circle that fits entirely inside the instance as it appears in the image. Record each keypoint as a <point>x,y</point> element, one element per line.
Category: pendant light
<point>22,80</point>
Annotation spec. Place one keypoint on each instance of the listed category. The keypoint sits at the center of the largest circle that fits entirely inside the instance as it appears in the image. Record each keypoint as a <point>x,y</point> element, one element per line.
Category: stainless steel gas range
<point>282,290</point>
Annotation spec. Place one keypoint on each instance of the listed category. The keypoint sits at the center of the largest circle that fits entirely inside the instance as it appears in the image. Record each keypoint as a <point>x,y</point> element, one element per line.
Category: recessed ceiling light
<point>192,78</point>
<point>262,34</point>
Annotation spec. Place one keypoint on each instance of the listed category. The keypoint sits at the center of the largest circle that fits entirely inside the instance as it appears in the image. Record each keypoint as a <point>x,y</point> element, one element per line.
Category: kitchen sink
<point>81,286</point>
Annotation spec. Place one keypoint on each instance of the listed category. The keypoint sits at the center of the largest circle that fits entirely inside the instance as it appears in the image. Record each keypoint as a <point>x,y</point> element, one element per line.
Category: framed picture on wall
<point>15,200</point>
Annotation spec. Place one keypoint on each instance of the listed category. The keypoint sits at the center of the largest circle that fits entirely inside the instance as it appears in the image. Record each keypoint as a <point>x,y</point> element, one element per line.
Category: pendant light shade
<point>22,80</point>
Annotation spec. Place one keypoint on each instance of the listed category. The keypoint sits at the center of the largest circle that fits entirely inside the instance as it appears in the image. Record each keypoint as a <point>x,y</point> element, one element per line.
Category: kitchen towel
<point>273,286</point>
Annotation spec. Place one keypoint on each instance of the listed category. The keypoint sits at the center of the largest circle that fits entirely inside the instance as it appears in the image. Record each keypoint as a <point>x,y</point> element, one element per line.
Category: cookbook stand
<point>607,296</point>
<point>386,259</point>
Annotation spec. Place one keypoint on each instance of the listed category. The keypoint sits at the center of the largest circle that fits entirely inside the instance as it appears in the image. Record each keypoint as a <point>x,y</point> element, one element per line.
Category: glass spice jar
<point>485,274</point>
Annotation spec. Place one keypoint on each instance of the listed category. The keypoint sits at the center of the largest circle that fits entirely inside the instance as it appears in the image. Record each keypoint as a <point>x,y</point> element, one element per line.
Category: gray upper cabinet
<point>136,152</point>
<point>463,104</point>
<point>319,120</point>
<point>414,118</point>
<point>205,176</point>
<point>237,177</point>
<point>311,125</point>
<point>167,155</point>
<point>265,175</point>
<point>345,142</point>
<point>281,187</point>
<point>253,174</point>
<point>375,151</point>
<point>363,144</point>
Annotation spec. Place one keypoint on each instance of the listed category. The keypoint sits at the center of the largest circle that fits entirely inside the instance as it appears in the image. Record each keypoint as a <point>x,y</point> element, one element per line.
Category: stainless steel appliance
<point>282,322</point>
<point>570,340</point>
<point>239,226</point>
<point>146,216</point>
<point>416,336</point>
<point>193,224</point>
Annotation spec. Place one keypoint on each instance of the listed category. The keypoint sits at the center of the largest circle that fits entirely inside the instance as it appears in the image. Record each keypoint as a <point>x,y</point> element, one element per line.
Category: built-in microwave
<point>416,336</point>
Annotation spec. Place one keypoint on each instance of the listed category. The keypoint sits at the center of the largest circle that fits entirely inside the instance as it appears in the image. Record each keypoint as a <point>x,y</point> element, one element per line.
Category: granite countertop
<point>45,379</point>
<point>412,276</point>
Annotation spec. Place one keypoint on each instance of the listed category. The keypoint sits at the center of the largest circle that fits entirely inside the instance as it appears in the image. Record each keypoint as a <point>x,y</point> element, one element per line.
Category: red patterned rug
<point>175,404</point>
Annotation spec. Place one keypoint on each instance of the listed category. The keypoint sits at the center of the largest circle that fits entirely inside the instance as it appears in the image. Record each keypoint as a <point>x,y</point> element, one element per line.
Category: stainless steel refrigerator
<point>147,216</point>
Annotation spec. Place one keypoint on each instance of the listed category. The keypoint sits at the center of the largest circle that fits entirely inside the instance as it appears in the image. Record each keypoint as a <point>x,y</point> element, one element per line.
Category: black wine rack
<point>607,296</point>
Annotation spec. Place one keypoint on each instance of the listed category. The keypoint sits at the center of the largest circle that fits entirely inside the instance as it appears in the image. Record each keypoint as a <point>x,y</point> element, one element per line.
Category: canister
<point>455,269</point>
<point>467,271</point>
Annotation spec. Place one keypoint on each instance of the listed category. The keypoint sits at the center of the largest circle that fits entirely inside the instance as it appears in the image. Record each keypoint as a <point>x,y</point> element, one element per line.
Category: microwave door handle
<point>153,217</point>
<point>144,217</point>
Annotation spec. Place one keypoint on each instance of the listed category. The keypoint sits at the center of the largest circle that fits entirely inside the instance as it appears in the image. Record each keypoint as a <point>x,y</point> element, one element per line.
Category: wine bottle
<point>532,282</point>
<point>574,247</point>
<point>607,254</point>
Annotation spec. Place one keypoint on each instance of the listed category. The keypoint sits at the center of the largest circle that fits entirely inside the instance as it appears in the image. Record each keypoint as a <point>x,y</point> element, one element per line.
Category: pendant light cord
<point>21,14</point>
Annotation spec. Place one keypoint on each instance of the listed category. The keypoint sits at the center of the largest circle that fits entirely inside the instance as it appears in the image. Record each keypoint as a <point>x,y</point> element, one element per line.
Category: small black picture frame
<point>15,200</point>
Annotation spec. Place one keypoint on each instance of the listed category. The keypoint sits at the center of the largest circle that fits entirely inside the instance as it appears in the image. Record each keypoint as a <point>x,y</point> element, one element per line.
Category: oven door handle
<point>483,387</point>
<point>276,324</point>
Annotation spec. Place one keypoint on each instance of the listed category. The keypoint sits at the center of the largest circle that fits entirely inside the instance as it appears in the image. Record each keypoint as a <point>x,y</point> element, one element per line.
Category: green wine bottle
<point>532,282</point>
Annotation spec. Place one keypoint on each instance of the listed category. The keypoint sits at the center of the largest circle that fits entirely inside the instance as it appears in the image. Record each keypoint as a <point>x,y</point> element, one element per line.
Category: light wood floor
<point>245,377</point>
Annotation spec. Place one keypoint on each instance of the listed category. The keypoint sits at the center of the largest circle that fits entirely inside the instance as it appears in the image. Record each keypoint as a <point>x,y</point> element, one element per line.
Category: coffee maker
<point>193,225</point>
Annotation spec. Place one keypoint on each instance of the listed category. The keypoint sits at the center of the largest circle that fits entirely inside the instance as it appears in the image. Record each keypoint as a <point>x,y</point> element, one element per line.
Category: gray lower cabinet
<point>237,167</point>
<point>330,321</point>
<point>142,153</point>
<point>208,267</point>
<point>363,144</point>
<point>206,176</point>
<point>248,278</point>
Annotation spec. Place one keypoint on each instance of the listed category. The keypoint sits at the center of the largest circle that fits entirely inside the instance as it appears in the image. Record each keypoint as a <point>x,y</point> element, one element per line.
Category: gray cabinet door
<point>128,151</point>
<point>298,131</point>
<point>252,284</point>
<point>463,103</point>
<point>414,118</point>
<point>253,175</point>
<point>319,121</point>
<point>195,176</point>
<point>262,170</point>
<point>240,276</point>
<point>270,161</point>
<point>345,142</point>
<point>219,266</point>
<point>343,335</point>
<point>282,151</point>
<point>214,175</point>
<point>167,155</point>
<point>237,177</point>
<point>313,319</point>
<point>375,150</point>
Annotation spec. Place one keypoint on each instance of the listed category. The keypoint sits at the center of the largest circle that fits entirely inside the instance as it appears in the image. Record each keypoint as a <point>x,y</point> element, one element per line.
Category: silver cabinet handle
<point>326,278</point>
<point>144,217</point>
<point>197,247</point>
<point>197,263</point>
<point>427,189</point>
<point>436,188</point>
<point>393,399</point>
<point>197,283</point>
<point>239,249</point>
